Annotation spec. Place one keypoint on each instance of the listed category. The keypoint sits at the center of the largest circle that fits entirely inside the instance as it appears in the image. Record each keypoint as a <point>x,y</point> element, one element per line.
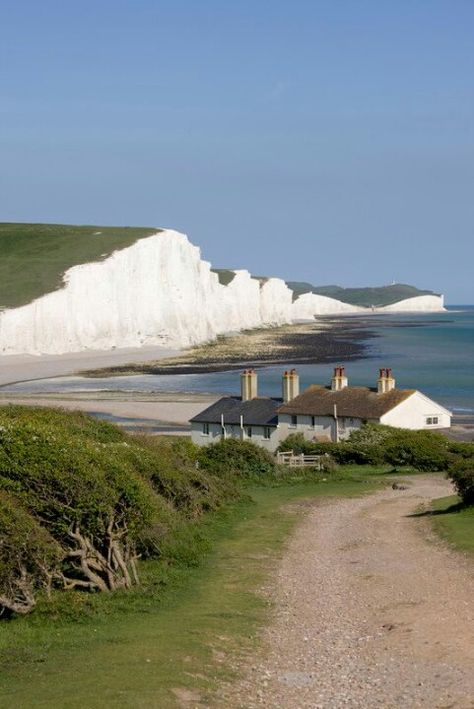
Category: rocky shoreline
<point>332,340</point>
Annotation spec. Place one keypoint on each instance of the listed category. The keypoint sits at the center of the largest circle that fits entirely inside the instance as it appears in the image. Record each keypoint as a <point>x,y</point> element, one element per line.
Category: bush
<point>84,493</point>
<point>91,499</point>
<point>29,558</point>
<point>236,458</point>
<point>344,453</point>
<point>374,444</point>
<point>173,467</point>
<point>461,472</point>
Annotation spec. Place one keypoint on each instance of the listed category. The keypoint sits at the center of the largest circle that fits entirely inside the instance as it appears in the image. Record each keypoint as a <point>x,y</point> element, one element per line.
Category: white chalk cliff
<point>417,304</point>
<point>159,292</point>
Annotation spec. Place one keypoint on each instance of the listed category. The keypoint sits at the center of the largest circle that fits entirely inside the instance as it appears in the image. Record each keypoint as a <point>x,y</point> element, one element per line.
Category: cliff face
<point>308,305</point>
<point>418,304</point>
<point>156,292</point>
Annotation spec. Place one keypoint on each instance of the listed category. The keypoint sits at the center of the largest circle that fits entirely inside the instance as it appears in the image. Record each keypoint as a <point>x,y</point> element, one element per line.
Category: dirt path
<point>370,611</point>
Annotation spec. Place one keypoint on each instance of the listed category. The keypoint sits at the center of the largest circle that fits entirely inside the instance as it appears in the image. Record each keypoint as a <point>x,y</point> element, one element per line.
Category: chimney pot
<point>386,382</point>
<point>290,385</point>
<point>339,380</point>
<point>248,384</point>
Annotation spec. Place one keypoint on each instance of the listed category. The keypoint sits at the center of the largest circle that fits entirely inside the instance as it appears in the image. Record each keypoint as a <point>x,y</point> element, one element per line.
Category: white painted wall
<point>215,435</point>
<point>413,412</point>
<point>324,426</point>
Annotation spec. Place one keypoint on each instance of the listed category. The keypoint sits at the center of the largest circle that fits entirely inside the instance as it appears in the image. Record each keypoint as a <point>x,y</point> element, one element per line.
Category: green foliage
<point>174,469</point>
<point>97,498</point>
<point>341,453</point>
<point>34,257</point>
<point>379,296</point>
<point>461,472</point>
<point>374,444</point>
<point>237,459</point>
<point>225,275</point>
<point>29,557</point>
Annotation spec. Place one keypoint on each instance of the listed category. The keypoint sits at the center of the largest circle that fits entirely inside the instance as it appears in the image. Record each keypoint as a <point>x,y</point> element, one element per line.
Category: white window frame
<point>205,428</point>
<point>267,433</point>
<point>293,421</point>
<point>432,420</point>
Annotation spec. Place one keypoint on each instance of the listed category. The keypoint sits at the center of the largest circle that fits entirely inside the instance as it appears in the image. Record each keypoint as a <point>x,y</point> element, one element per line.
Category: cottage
<point>320,413</point>
<point>248,417</point>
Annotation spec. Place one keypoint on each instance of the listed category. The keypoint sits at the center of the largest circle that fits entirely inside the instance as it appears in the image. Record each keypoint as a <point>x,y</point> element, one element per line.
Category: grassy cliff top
<point>34,257</point>
<point>378,296</point>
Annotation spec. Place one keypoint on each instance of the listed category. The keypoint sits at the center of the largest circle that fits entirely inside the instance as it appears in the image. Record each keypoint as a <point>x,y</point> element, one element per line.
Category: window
<point>205,429</point>
<point>432,420</point>
<point>267,432</point>
<point>249,431</point>
<point>313,421</point>
<point>293,421</point>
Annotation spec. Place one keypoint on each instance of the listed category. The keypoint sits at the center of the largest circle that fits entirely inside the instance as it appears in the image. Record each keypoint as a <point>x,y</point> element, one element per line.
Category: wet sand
<point>23,368</point>
<point>153,413</point>
<point>328,340</point>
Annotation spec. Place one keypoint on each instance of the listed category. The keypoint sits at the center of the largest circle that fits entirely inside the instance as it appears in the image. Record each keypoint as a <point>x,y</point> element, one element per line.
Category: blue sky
<point>329,141</point>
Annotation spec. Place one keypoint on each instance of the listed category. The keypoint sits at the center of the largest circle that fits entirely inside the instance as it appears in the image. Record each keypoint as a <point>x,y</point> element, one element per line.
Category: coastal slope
<point>158,291</point>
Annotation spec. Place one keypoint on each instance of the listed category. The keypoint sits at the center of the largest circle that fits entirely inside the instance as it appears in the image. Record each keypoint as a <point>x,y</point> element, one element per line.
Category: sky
<point>329,141</point>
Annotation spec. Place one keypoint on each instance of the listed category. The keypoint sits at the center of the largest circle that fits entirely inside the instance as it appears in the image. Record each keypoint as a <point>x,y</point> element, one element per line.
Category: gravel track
<point>370,610</point>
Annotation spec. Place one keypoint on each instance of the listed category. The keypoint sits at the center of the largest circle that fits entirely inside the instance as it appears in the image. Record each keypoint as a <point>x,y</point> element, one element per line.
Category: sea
<point>430,352</point>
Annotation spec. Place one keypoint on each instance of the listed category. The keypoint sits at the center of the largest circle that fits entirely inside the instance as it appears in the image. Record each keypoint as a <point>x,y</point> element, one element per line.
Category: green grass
<point>34,257</point>
<point>454,522</point>
<point>132,650</point>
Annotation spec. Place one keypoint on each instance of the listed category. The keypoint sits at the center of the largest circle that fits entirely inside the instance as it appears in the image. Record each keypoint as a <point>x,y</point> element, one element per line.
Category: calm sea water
<point>433,353</point>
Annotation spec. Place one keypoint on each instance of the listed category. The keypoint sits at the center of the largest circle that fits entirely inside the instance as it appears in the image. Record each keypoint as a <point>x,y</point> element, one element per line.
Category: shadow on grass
<point>458,507</point>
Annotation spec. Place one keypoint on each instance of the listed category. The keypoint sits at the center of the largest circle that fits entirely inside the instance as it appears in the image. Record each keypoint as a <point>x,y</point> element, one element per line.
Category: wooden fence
<point>300,461</point>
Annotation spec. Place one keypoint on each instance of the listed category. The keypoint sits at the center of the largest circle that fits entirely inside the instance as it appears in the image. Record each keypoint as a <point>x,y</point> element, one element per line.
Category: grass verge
<point>454,522</point>
<point>172,641</point>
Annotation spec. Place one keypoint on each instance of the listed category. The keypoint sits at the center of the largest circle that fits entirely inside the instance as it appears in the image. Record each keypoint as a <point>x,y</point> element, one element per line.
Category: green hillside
<point>378,296</point>
<point>34,257</point>
<point>225,275</point>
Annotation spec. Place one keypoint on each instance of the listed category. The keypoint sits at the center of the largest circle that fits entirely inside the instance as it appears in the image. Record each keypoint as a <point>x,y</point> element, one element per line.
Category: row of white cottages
<point>320,413</point>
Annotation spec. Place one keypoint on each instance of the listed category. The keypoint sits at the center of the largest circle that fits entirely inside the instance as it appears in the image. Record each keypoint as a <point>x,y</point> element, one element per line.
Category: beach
<point>22,368</point>
<point>158,390</point>
<point>327,340</point>
<point>169,412</point>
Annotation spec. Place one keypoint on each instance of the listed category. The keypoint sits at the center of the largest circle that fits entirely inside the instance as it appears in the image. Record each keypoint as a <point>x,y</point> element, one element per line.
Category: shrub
<point>91,499</point>
<point>237,458</point>
<point>172,465</point>
<point>29,558</point>
<point>374,444</point>
<point>461,472</point>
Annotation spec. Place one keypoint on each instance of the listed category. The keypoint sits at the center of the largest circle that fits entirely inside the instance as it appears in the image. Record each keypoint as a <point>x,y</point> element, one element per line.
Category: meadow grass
<point>176,635</point>
<point>454,522</point>
<point>34,257</point>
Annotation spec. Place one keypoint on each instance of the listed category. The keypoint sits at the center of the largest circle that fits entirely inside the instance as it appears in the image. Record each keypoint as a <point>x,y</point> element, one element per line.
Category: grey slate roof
<point>256,412</point>
<point>356,402</point>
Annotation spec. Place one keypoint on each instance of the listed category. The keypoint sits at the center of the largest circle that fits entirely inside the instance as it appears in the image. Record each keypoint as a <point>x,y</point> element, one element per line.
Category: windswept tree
<point>29,558</point>
<point>84,493</point>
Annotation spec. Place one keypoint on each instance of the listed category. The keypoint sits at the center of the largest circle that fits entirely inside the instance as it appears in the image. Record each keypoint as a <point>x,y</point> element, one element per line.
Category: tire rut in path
<point>370,610</point>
